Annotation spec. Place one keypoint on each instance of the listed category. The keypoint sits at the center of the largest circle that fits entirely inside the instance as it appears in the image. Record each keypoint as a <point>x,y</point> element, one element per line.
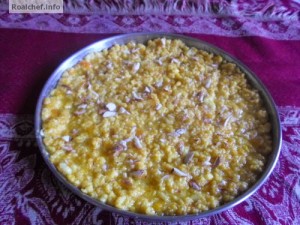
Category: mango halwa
<point>157,128</point>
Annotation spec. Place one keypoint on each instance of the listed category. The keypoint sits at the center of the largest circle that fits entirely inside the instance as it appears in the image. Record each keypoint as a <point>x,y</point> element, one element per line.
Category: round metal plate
<point>191,42</point>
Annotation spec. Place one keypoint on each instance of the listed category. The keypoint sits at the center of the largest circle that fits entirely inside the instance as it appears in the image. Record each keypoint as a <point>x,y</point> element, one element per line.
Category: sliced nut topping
<point>137,96</point>
<point>81,109</point>
<point>132,132</point>
<point>181,147</point>
<point>137,143</point>
<point>158,106</point>
<point>133,161</point>
<point>126,62</point>
<point>135,50</point>
<point>80,112</point>
<point>159,61</point>
<point>119,147</point>
<point>65,168</point>
<point>162,140</point>
<point>174,60</point>
<point>75,131</point>
<point>148,89</point>
<point>109,114</point>
<point>109,65</point>
<point>194,185</point>
<point>124,144</point>
<point>227,121</point>
<point>163,42</point>
<point>207,121</point>
<point>159,84</point>
<point>167,176</point>
<point>127,99</point>
<point>129,139</point>
<point>167,88</point>
<point>68,148</point>
<point>223,182</point>
<point>208,83</point>
<point>138,173</point>
<point>191,52</point>
<point>216,162</point>
<point>136,67</point>
<point>66,87</point>
<point>214,65</point>
<point>174,134</point>
<point>178,132</point>
<point>188,158</point>
<point>66,138</point>
<point>82,106</point>
<point>105,167</point>
<point>126,51</point>
<point>111,106</point>
<point>179,173</point>
<point>69,92</point>
<point>123,111</point>
<point>181,131</point>
<point>201,95</point>
<point>92,91</point>
<point>185,117</point>
<point>127,182</point>
<point>206,163</point>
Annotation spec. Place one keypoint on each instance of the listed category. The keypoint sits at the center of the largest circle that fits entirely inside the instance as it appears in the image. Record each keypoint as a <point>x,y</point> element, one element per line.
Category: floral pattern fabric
<point>232,26</point>
<point>264,33</point>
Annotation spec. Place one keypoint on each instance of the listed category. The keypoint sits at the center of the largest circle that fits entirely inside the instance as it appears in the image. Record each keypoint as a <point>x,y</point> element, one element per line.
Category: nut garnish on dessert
<point>157,128</point>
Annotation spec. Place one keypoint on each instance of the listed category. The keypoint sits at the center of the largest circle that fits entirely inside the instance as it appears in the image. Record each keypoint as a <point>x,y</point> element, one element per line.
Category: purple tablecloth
<point>29,194</point>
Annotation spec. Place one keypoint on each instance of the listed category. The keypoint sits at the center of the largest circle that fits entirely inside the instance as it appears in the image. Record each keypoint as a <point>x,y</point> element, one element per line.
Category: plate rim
<point>191,42</point>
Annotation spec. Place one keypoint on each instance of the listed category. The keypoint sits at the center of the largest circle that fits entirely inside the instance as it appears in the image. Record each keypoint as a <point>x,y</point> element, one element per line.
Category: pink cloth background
<point>29,194</point>
<point>29,57</point>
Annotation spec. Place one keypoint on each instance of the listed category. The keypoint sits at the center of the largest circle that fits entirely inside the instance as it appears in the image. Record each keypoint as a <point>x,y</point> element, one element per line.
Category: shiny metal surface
<point>191,42</point>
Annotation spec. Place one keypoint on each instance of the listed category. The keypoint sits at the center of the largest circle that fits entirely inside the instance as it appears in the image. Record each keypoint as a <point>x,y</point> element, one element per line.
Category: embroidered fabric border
<point>223,26</point>
<point>272,19</point>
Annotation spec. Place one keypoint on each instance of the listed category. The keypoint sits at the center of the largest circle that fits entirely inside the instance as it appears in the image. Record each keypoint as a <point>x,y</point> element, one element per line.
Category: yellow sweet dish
<point>157,128</point>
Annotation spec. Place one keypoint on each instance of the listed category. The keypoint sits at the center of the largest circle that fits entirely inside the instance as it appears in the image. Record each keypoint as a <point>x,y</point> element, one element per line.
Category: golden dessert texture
<point>159,128</point>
